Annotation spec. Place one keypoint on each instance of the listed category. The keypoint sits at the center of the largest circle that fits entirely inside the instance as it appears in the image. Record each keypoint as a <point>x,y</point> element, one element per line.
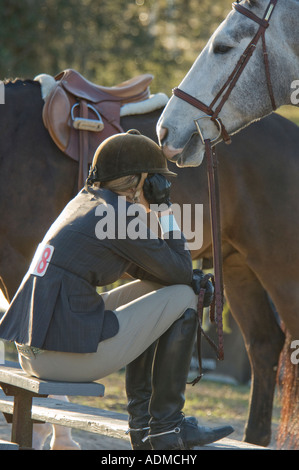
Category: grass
<point>290,112</point>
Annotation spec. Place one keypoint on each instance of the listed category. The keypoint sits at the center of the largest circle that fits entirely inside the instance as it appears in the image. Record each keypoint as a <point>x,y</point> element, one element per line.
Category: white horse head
<point>249,99</point>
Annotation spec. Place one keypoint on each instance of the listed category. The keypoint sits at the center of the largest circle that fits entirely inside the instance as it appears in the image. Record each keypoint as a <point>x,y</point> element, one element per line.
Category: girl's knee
<point>187,294</point>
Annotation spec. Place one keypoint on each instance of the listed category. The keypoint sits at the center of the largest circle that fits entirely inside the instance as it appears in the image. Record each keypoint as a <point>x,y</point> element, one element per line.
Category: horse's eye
<point>221,49</point>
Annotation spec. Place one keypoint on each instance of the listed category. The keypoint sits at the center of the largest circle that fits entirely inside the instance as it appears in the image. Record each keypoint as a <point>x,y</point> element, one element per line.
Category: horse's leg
<point>263,338</point>
<point>13,267</point>
<point>62,436</point>
<point>3,298</point>
<point>40,434</point>
<point>286,298</point>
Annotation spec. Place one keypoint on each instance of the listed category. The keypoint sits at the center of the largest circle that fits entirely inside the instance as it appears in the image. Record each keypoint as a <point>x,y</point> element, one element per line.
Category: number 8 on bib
<point>41,260</point>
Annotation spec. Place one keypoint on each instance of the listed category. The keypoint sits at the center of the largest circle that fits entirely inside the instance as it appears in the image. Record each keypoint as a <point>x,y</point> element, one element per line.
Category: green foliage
<point>107,41</point>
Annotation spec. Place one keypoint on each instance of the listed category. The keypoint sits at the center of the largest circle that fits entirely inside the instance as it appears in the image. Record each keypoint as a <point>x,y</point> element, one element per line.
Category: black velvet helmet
<point>125,154</point>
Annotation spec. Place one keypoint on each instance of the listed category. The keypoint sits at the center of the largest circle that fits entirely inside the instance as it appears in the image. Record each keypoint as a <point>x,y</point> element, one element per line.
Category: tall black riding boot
<point>139,390</point>
<point>169,429</point>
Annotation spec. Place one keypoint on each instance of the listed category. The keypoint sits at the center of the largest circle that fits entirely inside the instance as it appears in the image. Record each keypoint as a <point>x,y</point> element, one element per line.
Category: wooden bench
<point>24,401</point>
<point>5,445</point>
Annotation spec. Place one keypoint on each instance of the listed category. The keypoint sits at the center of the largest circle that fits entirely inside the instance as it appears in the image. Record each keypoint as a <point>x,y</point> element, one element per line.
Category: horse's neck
<point>288,46</point>
<point>289,80</point>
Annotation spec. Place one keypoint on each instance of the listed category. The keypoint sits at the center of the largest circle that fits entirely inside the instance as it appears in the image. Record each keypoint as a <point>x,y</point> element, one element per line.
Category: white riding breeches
<point>145,310</point>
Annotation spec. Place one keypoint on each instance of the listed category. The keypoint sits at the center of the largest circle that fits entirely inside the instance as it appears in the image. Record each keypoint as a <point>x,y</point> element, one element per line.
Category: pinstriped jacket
<point>57,306</point>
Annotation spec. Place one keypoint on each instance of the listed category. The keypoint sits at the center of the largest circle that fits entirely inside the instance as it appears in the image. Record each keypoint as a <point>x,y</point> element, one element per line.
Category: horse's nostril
<point>163,131</point>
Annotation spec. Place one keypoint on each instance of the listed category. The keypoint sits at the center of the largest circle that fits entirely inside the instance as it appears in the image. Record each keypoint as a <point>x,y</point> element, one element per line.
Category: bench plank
<point>18,378</point>
<point>5,445</point>
<point>100,421</point>
<point>73,415</point>
<point>16,383</point>
<point>81,417</point>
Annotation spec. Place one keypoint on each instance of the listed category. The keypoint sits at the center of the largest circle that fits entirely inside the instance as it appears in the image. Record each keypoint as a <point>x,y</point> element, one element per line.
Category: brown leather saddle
<point>79,115</point>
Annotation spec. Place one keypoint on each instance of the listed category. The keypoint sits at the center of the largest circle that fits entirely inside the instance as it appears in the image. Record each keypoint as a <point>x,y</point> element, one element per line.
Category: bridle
<point>227,88</point>
<point>213,115</point>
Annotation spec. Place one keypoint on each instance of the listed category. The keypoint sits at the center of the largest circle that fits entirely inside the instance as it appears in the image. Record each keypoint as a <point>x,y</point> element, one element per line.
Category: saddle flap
<point>56,113</point>
<point>61,120</point>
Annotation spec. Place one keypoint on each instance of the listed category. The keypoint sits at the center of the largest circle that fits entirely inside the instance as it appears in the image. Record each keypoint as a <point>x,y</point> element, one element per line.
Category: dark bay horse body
<point>259,195</point>
<point>37,178</point>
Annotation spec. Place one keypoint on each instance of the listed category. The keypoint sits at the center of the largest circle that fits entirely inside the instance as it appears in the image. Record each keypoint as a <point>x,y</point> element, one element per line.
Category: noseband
<point>213,115</point>
<point>227,88</point>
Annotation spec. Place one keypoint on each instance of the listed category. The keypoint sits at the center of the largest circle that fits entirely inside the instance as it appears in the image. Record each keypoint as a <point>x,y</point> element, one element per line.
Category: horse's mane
<point>17,81</point>
<point>251,3</point>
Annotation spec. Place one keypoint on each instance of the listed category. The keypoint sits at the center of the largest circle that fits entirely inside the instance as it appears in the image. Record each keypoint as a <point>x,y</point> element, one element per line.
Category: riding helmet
<point>125,154</point>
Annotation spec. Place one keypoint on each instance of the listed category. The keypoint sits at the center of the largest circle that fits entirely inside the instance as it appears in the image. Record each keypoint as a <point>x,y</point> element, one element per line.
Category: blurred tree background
<point>107,41</point>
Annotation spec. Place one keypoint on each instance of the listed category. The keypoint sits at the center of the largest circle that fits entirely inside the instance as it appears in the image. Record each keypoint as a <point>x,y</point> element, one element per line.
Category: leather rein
<point>213,115</point>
